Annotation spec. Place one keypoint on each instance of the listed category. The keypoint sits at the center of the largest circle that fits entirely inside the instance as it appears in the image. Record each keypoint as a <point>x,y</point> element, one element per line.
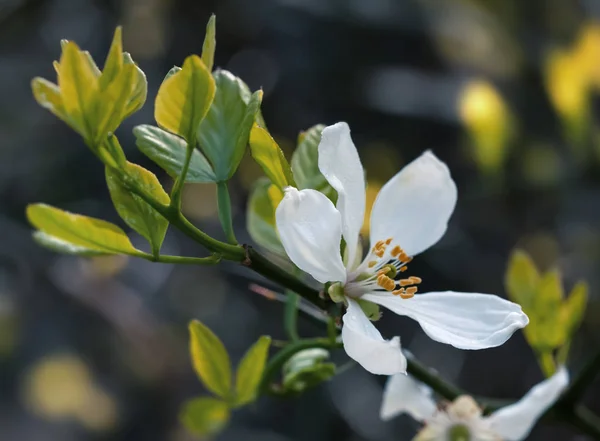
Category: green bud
<point>336,292</point>
<point>459,432</point>
<point>306,369</point>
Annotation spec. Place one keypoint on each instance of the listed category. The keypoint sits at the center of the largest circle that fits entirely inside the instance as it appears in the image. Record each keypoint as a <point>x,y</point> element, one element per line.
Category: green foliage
<point>261,217</point>
<point>210,43</point>
<point>84,234</point>
<point>269,156</point>
<point>205,415</point>
<point>184,98</point>
<point>136,212</point>
<point>168,151</point>
<point>224,132</point>
<point>553,319</point>
<point>250,370</point>
<point>306,369</point>
<point>60,246</point>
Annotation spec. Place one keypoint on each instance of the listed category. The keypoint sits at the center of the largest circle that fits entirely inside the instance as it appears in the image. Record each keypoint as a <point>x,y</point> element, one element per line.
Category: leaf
<point>210,43</point>
<point>261,218</point>
<point>204,415</point>
<point>224,133</point>
<point>250,370</point>
<point>305,166</point>
<point>78,230</point>
<point>522,279</point>
<point>210,359</point>
<point>269,156</point>
<point>60,246</point>
<point>78,85</point>
<point>171,72</point>
<point>546,310</point>
<point>184,98</point>
<point>139,90</point>
<point>168,151</point>
<point>573,308</point>
<point>137,213</point>
<point>114,60</point>
<point>47,95</point>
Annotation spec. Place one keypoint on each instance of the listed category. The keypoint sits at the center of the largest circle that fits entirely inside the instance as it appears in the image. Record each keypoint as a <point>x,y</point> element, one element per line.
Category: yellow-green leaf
<point>114,99</point>
<point>546,310</point>
<point>114,61</point>
<point>261,218</point>
<point>210,43</point>
<point>205,415</point>
<point>82,231</point>
<point>78,85</point>
<point>60,246</point>
<point>134,210</point>
<point>47,95</point>
<point>224,133</point>
<point>169,152</point>
<point>269,156</point>
<point>139,89</point>
<point>210,359</point>
<point>184,98</point>
<point>250,370</point>
<point>522,279</point>
<point>574,308</point>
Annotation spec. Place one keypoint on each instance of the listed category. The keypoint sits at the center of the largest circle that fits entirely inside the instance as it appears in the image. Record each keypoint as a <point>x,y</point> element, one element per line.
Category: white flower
<point>410,214</point>
<point>463,417</point>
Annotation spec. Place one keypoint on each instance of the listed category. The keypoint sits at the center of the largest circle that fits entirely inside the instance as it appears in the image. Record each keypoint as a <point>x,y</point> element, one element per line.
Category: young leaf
<point>184,98</point>
<point>522,279</point>
<point>574,308</point>
<point>81,231</point>
<point>269,156</point>
<point>224,133</point>
<point>205,415</point>
<point>171,72</point>
<point>250,370</point>
<point>78,85</point>
<point>305,166</point>
<point>168,151</point>
<point>210,359</point>
<point>545,313</point>
<point>135,211</point>
<point>210,43</point>
<point>114,60</point>
<point>60,246</point>
<point>261,218</point>
<point>47,95</point>
<point>139,89</point>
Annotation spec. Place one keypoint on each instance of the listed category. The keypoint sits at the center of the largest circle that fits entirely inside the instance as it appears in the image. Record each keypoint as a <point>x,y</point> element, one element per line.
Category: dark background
<point>97,349</point>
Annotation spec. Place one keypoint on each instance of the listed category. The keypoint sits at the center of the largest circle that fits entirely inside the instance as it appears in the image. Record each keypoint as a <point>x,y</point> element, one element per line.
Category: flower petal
<point>364,343</point>
<point>340,164</point>
<point>463,320</point>
<point>514,422</point>
<point>414,206</point>
<point>310,230</point>
<point>403,394</point>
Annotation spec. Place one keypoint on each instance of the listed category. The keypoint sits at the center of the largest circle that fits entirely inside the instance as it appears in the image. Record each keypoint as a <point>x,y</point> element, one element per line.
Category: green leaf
<point>114,60</point>
<point>205,415</point>
<point>168,151</point>
<point>210,43</point>
<point>210,359</point>
<point>261,218</point>
<point>573,308</point>
<point>78,83</point>
<point>171,72</point>
<point>134,210</point>
<point>184,98</point>
<point>139,90</point>
<point>269,156</point>
<point>250,370</point>
<point>47,95</point>
<point>305,165</point>
<point>80,231</point>
<point>224,133</point>
<point>307,369</point>
<point>60,246</point>
<point>545,314</point>
<point>522,279</point>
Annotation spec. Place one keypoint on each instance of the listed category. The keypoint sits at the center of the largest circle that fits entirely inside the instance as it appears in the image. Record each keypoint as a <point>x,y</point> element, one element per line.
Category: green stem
<point>224,205</point>
<point>210,260</point>
<point>427,376</point>
<point>178,186</point>
<point>290,316</point>
<point>546,362</point>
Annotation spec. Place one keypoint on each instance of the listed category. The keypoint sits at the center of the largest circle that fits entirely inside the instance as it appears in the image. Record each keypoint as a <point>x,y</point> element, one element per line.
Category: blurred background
<point>504,91</point>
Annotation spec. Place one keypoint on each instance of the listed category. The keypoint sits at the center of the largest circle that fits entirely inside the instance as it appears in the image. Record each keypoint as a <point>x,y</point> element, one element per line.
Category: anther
<point>415,280</point>
<point>384,270</point>
<point>403,269</point>
<point>396,251</point>
<point>411,290</point>
<point>407,295</point>
<point>405,282</point>
<point>372,263</point>
<point>389,241</point>
<point>398,292</point>
<point>385,282</point>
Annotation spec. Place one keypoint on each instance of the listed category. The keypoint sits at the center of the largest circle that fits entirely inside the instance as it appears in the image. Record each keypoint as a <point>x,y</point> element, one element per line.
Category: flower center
<point>459,432</point>
<point>381,270</point>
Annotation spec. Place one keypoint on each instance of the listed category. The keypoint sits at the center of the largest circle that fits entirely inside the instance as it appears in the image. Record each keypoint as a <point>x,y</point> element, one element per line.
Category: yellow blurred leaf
<point>210,359</point>
<point>210,43</point>
<point>114,60</point>
<point>522,279</point>
<point>269,156</point>
<point>139,89</point>
<point>573,308</point>
<point>250,370</point>
<point>184,98</point>
<point>205,415</point>
<point>47,95</point>
<point>81,231</point>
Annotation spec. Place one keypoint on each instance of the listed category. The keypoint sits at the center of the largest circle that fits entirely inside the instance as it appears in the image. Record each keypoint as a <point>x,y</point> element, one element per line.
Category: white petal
<point>364,343</point>
<point>514,422</point>
<point>310,229</point>
<point>340,164</point>
<point>463,320</point>
<point>403,394</point>
<point>414,206</point>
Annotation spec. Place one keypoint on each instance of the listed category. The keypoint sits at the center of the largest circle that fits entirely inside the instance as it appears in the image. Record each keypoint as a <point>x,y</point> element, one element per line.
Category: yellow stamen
<point>415,280</point>
<point>411,290</point>
<point>407,295</point>
<point>405,282</point>
<point>372,263</point>
<point>396,251</point>
<point>385,282</point>
<point>389,241</point>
